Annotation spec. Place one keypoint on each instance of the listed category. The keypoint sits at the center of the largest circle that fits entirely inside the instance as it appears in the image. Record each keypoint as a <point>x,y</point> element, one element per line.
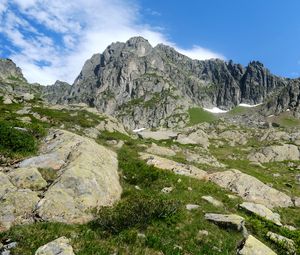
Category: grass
<point>198,115</point>
<point>238,110</point>
<point>69,118</point>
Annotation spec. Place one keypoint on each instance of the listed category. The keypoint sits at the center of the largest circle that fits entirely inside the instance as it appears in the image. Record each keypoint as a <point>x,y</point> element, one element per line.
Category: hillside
<point>76,179</point>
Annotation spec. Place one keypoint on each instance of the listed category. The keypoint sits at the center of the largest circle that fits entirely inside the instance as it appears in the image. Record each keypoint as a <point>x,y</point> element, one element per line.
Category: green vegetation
<point>15,142</point>
<point>69,117</point>
<point>198,115</point>
<point>238,110</point>
<point>288,122</point>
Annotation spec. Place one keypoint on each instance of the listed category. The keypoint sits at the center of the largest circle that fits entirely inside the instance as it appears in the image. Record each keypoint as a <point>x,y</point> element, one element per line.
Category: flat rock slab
<point>212,201</point>
<point>275,153</point>
<point>175,167</point>
<point>59,246</point>
<point>283,241</point>
<point>89,180</point>
<point>159,150</point>
<point>251,189</point>
<point>157,135</point>
<point>262,211</point>
<point>253,246</point>
<point>227,220</point>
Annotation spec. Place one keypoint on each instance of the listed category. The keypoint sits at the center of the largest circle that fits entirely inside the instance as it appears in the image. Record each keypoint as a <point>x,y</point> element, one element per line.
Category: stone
<point>212,201</point>
<point>161,151</point>
<point>251,189</point>
<point>157,135</point>
<point>261,211</point>
<point>197,137</point>
<point>27,178</point>
<point>252,246</point>
<point>88,181</point>
<point>275,153</point>
<point>16,207</point>
<point>227,220</point>
<point>284,242</point>
<point>59,246</point>
<point>27,96</point>
<point>167,190</point>
<point>5,185</point>
<point>191,207</point>
<point>175,167</point>
<point>234,137</point>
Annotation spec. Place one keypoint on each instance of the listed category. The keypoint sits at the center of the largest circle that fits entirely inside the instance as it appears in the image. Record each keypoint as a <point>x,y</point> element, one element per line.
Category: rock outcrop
<point>59,246</point>
<point>253,246</point>
<point>251,189</point>
<point>147,86</point>
<point>275,153</point>
<point>87,178</point>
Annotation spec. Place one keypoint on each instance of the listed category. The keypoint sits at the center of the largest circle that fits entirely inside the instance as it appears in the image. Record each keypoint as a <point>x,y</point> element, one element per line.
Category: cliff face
<point>147,86</point>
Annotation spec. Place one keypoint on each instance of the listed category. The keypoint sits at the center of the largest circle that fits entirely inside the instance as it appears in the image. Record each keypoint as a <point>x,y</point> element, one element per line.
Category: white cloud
<point>79,28</point>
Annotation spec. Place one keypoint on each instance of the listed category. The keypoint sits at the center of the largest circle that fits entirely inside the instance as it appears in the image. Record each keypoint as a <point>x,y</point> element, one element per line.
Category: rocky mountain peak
<point>10,71</point>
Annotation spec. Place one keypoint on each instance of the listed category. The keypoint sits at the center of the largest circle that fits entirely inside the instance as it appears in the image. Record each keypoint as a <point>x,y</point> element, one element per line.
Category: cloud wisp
<point>51,40</point>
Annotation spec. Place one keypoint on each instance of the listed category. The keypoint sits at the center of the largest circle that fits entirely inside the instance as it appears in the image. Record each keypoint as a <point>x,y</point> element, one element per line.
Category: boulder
<point>233,137</point>
<point>191,207</point>
<point>212,201</point>
<point>5,185</point>
<point>197,137</point>
<point>89,179</point>
<point>16,207</point>
<point>27,178</point>
<point>275,153</point>
<point>262,211</point>
<point>59,246</point>
<point>251,189</point>
<point>228,220</point>
<point>161,151</point>
<point>252,246</point>
<point>177,168</point>
<point>157,135</point>
<point>284,242</point>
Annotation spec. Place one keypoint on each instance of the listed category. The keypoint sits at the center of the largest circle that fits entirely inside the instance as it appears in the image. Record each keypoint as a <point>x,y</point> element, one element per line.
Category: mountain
<point>147,86</point>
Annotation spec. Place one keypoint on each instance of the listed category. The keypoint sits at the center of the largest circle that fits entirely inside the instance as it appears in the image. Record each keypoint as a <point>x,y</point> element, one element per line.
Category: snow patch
<point>214,110</point>
<point>138,130</point>
<point>287,110</point>
<point>270,116</point>
<point>249,105</point>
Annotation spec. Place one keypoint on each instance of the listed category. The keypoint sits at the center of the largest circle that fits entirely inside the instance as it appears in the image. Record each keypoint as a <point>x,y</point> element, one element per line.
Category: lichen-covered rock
<point>261,211</point>
<point>161,151</point>
<point>252,246</point>
<point>251,189</point>
<point>27,178</point>
<point>16,207</point>
<point>276,153</point>
<point>89,179</point>
<point>175,167</point>
<point>157,135</point>
<point>227,220</point>
<point>212,200</point>
<point>283,241</point>
<point>196,137</point>
<point>60,246</point>
<point>5,185</point>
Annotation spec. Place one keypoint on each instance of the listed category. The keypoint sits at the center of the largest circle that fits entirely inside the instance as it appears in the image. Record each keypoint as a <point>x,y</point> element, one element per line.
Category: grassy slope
<point>174,233</point>
<point>198,115</point>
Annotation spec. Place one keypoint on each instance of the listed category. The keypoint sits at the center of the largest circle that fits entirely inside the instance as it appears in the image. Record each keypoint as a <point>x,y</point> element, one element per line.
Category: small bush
<point>135,211</point>
<point>137,172</point>
<point>16,141</point>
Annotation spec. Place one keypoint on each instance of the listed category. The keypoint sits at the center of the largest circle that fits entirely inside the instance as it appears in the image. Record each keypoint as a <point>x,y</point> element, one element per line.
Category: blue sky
<point>51,39</point>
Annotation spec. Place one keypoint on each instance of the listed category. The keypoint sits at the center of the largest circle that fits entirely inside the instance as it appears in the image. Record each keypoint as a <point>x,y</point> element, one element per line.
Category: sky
<point>51,39</point>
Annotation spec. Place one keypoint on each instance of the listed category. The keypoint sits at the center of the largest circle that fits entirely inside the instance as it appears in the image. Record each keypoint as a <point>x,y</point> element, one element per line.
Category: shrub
<point>137,172</point>
<point>135,211</point>
<point>16,141</point>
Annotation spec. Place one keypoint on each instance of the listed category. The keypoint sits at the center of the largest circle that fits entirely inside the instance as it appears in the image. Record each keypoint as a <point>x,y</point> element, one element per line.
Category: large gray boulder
<point>275,153</point>
<point>251,189</point>
<point>60,246</point>
<point>175,167</point>
<point>252,246</point>
<point>261,211</point>
<point>227,220</point>
<point>89,180</point>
